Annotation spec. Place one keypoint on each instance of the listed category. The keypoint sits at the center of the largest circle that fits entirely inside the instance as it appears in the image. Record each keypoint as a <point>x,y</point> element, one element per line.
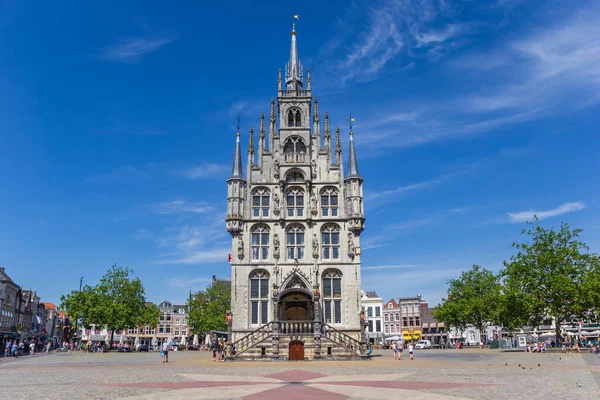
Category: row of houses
<point>25,318</point>
<point>405,317</point>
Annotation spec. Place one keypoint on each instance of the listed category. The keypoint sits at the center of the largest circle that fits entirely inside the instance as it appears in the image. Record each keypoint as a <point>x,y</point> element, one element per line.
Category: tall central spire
<point>293,72</point>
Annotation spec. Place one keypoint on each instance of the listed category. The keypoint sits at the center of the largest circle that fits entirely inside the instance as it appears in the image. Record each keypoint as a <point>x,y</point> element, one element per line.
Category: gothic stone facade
<point>295,219</point>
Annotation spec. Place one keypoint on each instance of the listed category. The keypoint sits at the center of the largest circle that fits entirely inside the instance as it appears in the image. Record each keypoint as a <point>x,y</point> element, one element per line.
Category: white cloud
<point>205,170</point>
<point>565,208</point>
<point>180,206</point>
<point>410,224</point>
<point>131,49</point>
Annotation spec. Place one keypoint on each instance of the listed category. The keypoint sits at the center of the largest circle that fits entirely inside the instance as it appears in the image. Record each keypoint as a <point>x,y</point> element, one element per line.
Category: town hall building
<point>295,217</point>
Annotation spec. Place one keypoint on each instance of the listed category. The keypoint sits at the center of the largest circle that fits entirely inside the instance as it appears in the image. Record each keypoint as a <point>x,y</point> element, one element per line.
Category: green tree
<point>551,275</point>
<point>117,302</point>
<point>472,300</point>
<point>208,307</point>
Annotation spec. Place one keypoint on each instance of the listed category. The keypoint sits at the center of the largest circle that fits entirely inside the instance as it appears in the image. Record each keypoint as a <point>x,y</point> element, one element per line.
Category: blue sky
<point>118,126</point>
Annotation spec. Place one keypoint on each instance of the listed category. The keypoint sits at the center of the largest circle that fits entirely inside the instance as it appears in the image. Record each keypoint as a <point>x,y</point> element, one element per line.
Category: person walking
<point>411,350</point>
<point>394,350</point>
<point>399,348</point>
<point>165,349</point>
<point>14,350</point>
<point>7,349</point>
<point>31,349</point>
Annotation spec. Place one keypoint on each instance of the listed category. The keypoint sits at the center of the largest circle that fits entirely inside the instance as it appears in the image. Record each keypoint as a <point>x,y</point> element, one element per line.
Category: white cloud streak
<point>186,282</point>
<point>132,49</point>
<point>180,206</point>
<point>205,170</point>
<point>565,208</point>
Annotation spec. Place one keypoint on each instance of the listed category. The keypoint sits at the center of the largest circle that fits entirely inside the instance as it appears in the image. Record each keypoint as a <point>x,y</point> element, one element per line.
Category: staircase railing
<point>252,339</point>
<point>291,327</point>
<point>341,339</point>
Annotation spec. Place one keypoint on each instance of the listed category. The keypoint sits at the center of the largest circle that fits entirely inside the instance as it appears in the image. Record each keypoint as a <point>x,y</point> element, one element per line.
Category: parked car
<point>423,344</point>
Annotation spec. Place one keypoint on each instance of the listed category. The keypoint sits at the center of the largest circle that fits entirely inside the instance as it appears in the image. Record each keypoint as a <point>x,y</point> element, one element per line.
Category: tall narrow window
<point>332,296</point>
<point>259,297</point>
<point>330,238</point>
<point>329,202</point>
<point>260,243</point>
<point>295,242</point>
<point>260,202</point>
<point>295,202</point>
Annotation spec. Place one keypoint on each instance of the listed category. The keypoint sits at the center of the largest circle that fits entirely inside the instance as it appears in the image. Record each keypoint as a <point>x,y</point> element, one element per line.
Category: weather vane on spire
<point>239,124</point>
<point>350,120</point>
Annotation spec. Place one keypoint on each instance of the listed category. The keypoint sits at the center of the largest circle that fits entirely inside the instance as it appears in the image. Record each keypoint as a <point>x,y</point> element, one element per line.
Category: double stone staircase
<point>320,341</point>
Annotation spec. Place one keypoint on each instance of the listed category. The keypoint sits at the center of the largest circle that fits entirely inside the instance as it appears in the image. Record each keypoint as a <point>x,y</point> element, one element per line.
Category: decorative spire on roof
<point>251,141</point>
<point>293,73</point>
<point>352,163</point>
<point>338,146</point>
<point>262,127</point>
<point>327,131</point>
<point>279,80</point>
<point>317,125</point>
<point>308,79</point>
<point>236,171</point>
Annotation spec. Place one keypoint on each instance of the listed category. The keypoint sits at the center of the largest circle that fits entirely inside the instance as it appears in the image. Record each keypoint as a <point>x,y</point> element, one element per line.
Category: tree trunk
<point>112,336</point>
<point>557,331</point>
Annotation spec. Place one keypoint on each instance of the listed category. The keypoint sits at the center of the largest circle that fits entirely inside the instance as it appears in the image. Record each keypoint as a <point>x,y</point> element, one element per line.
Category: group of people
<point>15,350</point>
<point>398,348</point>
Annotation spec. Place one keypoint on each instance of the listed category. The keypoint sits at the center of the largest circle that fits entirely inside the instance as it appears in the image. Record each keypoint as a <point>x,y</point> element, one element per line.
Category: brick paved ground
<point>434,374</point>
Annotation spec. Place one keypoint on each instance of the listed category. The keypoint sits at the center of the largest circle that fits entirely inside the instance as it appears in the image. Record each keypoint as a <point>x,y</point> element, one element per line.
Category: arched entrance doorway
<point>296,305</point>
<point>296,350</point>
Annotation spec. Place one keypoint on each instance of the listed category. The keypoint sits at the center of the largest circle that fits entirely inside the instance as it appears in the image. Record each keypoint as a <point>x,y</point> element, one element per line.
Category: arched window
<point>260,202</point>
<point>295,242</point>
<point>329,202</point>
<point>332,295</point>
<point>294,199</point>
<point>260,243</point>
<point>259,297</point>
<point>330,241</point>
<point>294,117</point>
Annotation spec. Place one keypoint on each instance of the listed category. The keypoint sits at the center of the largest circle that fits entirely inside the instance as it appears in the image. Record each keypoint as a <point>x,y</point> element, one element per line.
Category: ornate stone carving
<point>276,245</point>
<point>315,269</point>
<point>240,247</point>
<point>351,249</point>
<point>276,169</point>
<point>276,204</point>
<point>313,168</point>
<point>315,246</point>
<point>314,207</point>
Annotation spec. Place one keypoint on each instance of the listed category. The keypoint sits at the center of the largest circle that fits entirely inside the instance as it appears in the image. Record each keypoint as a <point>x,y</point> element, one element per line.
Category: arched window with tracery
<point>329,202</point>
<point>330,242</point>
<point>294,117</point>
<point>332,296</point>
<point>260,243</point>
<point>260,202</point>
<point>295,242</point>
<point>259,297</point>
<point>294,199</point>
<point>294,150</point>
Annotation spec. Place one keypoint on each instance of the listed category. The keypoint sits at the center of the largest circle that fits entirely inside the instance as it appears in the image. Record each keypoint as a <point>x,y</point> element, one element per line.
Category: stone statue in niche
<point>351,245</point>
<point>315,246</point>
<point>314,205</point>
<point>276,245</point>
<point>313,169</point>
<point>276,169</point>
<point>240,247</point>
<point>316,272</point>
<point>275,203</point>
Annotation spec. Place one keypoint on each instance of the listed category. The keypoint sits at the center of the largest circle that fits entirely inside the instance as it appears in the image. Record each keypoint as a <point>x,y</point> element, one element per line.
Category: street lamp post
<point>77,319</point>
